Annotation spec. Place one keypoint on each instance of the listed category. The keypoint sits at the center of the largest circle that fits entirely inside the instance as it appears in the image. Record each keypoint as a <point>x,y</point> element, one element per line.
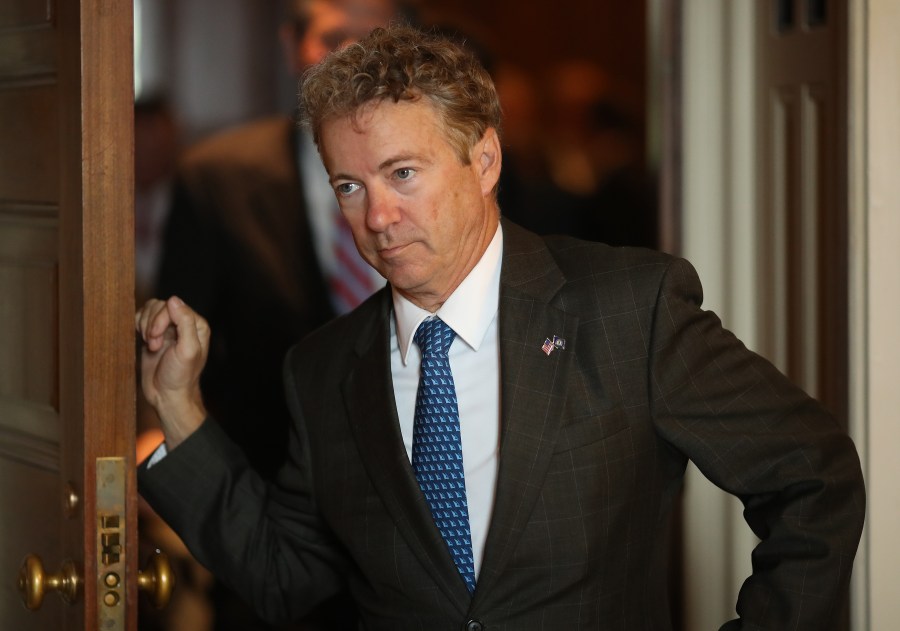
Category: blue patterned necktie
<point>437,456</point>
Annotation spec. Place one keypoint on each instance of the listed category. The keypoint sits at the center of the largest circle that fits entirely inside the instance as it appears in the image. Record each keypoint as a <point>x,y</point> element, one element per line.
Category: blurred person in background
<point>621,205</point>
<point>249,239</point>
<point>578,168</point>
<point>157,146</point>
<point>256,244</point>
<point>157,143</point>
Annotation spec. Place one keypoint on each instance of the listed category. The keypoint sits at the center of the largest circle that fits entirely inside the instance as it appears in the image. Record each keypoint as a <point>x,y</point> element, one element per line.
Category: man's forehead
<point>372,118</point>
<point>338,129</point>
<point>377,111</point>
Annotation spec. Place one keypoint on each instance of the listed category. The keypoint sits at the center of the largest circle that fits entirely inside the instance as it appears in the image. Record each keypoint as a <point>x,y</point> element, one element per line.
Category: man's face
<point>419,216</point>
<point>332,25</point>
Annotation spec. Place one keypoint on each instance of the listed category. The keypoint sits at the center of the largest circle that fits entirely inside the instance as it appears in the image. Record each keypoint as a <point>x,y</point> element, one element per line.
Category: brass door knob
<point>34,583</point>
<point>157,579</point>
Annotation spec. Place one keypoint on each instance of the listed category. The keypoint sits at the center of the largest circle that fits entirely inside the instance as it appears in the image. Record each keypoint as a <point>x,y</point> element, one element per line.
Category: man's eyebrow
<point>402,158</point>
<point>340,176</point>
<point>386,164</point>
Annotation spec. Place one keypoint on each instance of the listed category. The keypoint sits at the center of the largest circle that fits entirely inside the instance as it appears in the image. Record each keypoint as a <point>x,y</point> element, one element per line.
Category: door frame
<point>874,261</point>
<point>96,284</point>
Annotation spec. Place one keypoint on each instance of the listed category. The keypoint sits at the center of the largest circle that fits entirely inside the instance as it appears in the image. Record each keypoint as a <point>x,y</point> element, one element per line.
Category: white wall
<point>219,62</point>
<point>719,236</point>
<point>875,302</point>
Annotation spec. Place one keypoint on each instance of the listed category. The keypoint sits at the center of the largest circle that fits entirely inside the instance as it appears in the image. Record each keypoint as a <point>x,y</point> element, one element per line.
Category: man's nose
<point>383,209</point>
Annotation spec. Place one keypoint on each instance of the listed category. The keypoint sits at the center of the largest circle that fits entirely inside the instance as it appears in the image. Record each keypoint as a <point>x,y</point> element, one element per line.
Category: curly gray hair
<point>401,62</point>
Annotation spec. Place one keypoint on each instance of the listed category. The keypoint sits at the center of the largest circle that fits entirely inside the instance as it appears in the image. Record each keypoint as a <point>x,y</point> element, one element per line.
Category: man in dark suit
<point>576,381</point>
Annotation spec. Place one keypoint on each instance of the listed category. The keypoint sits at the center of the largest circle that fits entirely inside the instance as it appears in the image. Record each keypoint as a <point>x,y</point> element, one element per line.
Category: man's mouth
<point>392,250</point>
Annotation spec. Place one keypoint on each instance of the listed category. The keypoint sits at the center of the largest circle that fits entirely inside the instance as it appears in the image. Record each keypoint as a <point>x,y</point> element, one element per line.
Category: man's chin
<point>404,281</point>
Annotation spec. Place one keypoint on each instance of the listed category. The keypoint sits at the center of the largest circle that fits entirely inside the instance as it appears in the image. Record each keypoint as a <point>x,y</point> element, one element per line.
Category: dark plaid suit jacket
<point>594,443</point>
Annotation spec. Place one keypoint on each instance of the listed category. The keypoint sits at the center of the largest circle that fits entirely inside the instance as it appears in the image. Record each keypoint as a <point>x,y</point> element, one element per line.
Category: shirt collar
<point>469,310</point>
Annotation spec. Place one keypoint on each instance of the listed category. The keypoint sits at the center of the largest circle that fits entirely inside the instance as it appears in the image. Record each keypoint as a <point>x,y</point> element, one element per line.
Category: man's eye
<point>405,174</point>
<point>347,188</point>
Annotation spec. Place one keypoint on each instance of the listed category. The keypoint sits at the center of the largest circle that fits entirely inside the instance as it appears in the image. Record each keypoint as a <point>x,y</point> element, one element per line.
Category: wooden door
<point>66,309</point>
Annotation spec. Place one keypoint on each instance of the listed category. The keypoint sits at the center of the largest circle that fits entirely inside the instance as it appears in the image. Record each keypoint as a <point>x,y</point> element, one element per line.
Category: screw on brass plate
<point>71,501</point>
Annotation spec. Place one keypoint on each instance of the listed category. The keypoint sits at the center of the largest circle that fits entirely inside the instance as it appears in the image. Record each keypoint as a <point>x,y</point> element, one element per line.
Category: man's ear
<point>489,160</point>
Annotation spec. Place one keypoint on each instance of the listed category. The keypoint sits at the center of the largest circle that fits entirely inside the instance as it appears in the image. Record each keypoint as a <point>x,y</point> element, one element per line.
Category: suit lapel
<point>372,411</point>
<point>532,391</point>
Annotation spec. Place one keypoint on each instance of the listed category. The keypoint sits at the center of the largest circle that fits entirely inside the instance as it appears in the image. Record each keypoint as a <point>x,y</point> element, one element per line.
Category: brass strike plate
<point>111,543</point>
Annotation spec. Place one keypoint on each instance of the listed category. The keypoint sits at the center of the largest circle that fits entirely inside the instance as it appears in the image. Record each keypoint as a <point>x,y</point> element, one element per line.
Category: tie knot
<point>434,337</point>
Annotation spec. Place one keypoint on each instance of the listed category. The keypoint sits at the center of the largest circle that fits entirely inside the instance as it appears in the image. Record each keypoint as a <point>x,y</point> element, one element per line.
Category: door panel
<point>35,157</point>
<point>32,526</point>
<point>803,189</point>
<point>66,318</point>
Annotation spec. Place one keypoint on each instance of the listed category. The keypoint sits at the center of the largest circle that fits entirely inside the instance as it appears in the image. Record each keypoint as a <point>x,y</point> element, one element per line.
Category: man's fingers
<point>142,317</point>
<point>193,332</point>
<point>145,315</point>
<point>158,325</point>
<point>155,323</point>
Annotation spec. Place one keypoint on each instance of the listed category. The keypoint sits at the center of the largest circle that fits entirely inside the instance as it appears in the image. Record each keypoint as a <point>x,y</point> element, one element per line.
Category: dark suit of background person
<point>240,249</point>
<point>239,245</point>
<point>595,439</point>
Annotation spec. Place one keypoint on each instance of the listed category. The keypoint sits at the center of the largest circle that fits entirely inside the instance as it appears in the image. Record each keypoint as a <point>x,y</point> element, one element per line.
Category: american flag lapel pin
<point>551,345</point>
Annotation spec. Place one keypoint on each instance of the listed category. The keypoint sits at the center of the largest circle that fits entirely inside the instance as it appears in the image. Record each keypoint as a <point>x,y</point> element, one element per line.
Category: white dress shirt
<point>471,311</point>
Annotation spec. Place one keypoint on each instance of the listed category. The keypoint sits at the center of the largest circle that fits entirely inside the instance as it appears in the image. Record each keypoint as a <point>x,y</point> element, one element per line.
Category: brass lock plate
<point>111,543</point>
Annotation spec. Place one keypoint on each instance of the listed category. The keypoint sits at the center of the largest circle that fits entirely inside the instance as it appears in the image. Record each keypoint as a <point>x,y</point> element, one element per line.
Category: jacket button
<point>474,625</point>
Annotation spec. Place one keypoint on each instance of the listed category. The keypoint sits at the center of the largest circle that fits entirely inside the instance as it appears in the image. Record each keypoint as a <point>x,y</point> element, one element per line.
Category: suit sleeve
<point>757,436</point>
<point>266,541</point>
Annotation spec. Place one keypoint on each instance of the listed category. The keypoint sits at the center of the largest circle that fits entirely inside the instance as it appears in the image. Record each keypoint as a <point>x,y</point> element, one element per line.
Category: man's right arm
<point>265,541</point>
